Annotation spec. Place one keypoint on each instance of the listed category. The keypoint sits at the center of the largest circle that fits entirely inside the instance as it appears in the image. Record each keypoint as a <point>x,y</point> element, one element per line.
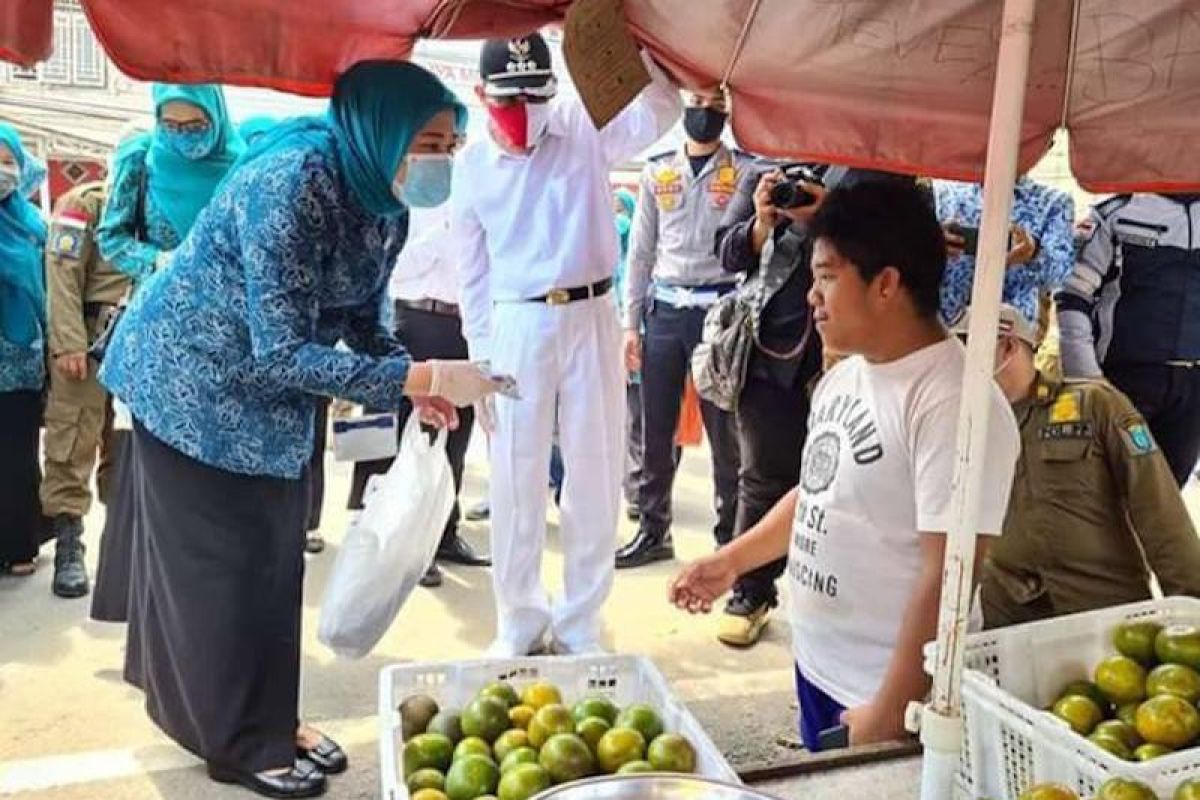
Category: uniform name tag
<point>1066,430</point>
<point>1137,239</point>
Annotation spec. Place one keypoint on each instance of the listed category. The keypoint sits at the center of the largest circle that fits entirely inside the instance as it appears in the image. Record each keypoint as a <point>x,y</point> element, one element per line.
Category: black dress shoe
<point>456,550</point>
<point>329,757</point>
<point>645,548</point>
<point>432,577</point>
<point>302,780</point>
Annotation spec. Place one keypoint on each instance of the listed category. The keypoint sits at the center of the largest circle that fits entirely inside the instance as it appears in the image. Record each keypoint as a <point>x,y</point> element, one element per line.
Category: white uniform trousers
<point>567,358</point>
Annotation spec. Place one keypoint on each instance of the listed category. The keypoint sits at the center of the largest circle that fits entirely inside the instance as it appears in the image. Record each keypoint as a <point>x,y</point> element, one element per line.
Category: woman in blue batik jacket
<point>160,181</point>
<point>22,357</point>
<point>220,359</point>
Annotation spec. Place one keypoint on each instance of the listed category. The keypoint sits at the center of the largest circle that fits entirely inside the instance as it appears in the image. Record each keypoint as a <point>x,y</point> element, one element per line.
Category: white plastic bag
<point>390,545</point>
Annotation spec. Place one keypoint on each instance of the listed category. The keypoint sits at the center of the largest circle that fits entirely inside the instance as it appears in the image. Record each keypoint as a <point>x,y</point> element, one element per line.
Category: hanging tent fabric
<point>893,84</point>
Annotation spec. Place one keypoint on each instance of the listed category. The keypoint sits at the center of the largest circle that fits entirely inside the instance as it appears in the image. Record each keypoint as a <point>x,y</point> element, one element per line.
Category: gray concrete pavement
<point>73,729</point>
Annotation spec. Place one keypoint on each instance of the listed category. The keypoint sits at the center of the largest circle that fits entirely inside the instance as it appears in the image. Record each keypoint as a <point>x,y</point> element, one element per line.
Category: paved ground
<point>73,729</point>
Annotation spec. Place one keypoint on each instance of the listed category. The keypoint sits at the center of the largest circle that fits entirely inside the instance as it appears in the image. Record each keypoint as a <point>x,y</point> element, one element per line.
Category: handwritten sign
<point>603,58</point>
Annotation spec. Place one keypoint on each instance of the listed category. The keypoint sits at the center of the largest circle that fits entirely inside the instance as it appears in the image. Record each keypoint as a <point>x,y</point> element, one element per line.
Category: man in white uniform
<point>532,216</point>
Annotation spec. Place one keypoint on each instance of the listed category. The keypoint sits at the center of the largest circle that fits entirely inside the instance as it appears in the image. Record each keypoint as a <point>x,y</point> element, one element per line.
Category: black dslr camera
<point>788,193</point>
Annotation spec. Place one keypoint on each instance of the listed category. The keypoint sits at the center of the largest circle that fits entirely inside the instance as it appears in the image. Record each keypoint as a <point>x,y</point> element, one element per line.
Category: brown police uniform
<point>82,291</point>
<point>1094,508</point>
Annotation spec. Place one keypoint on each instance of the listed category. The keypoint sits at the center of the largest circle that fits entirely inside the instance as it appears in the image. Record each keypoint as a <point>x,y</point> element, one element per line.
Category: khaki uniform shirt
<point>671,236</point>
<point>1094,509</point>
<point>79,282</point>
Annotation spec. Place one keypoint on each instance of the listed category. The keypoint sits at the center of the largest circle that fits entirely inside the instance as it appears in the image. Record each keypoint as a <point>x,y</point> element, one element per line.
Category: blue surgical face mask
<point>426,181</point>
<point>192,144</point>
<point>10,177</point>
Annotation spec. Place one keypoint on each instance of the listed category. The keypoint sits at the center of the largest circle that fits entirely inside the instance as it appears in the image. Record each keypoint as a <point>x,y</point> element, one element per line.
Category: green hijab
<point>22,237</point>
<point>179,186</point>
<point>376,111</point>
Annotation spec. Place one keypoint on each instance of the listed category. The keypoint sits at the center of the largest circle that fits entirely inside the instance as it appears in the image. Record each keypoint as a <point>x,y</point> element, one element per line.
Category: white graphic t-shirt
<point>877,469</point>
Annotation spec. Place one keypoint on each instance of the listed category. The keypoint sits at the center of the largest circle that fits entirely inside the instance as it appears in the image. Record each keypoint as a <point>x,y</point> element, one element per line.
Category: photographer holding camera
<point>763,237</point>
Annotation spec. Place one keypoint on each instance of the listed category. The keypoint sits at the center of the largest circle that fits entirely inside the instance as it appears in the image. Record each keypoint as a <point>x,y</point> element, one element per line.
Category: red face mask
<point>512,122</point>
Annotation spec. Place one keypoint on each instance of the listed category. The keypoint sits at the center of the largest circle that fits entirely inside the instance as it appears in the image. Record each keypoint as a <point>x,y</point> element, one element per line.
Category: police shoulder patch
<point>66,241</point>
<point>1137,437</point>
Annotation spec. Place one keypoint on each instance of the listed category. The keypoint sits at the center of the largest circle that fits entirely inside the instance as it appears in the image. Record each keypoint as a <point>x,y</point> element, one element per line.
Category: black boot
<point>70,573</point>
<point>645,548</point>
<point>455,550</point>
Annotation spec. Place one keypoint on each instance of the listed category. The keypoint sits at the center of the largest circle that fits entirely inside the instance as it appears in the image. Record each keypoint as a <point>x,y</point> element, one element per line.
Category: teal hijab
<point>251,128</point>
<point>22,240</point>
<point>625,221</point>
<point>179,186</point>
<point>376,111</point>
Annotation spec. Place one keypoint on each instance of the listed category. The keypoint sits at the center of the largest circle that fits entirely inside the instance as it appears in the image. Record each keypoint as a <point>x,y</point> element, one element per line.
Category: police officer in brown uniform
<point>83,290</point>
<point>1094,508</point>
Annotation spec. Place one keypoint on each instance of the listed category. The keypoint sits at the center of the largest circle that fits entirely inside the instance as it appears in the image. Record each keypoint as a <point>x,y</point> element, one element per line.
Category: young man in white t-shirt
<point>865,529</point>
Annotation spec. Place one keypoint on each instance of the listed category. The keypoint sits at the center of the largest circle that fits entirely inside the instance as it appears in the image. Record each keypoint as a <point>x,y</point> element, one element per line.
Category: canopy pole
<point>941,720</point>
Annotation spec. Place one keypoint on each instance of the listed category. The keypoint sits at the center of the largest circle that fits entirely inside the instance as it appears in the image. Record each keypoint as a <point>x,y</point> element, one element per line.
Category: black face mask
<point>703,125</point>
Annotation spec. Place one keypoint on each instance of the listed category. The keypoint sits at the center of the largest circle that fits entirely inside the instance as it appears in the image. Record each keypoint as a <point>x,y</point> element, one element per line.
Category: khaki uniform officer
<point>1094,508</point>
<point>82,290</point>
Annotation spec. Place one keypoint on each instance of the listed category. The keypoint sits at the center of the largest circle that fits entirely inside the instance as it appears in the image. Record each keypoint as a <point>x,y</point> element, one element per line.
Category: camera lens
<point>784,194</point>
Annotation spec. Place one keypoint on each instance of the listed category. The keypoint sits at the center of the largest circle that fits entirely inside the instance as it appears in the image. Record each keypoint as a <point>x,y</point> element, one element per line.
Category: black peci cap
<point>518,66</point>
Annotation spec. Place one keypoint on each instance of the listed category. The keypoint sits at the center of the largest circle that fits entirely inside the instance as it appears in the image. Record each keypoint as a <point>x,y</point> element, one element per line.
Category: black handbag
<point>99,346</point>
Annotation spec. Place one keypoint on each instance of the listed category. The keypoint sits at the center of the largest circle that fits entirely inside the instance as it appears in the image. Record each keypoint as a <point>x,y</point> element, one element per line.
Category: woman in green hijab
<point>159,183</point>
<point>222,359</point>
<point>22,357</point>
<point>162,180</point>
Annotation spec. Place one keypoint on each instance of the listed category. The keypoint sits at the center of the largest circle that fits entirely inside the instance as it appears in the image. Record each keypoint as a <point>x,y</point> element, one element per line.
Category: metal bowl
<point>652,787</point>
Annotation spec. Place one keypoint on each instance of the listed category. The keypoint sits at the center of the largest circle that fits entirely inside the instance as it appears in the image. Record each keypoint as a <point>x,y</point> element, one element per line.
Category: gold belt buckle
<point>558,297</point>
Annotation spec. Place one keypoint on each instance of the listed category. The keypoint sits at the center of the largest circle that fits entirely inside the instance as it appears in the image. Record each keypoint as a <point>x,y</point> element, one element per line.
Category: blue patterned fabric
<point>1047,214</point>
<point>22,280</point>
<point>117,233</point>
<point>219,356</point>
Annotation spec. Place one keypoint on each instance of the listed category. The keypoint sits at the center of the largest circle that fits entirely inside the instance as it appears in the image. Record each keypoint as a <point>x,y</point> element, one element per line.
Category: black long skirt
<point>21,525</point>
<point>214,626</point>
<point>110,597</point>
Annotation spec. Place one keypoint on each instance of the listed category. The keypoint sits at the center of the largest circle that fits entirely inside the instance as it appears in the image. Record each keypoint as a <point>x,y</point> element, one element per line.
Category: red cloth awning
<point>894,84</point>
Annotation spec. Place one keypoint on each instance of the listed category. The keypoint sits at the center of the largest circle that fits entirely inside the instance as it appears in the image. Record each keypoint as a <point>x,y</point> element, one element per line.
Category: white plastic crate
<point>625,679</point>
<point>1009,742</point>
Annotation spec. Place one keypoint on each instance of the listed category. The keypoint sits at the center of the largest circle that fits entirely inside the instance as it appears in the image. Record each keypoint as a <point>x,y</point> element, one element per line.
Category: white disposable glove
<point>463,383</point>
<point>485,414</point>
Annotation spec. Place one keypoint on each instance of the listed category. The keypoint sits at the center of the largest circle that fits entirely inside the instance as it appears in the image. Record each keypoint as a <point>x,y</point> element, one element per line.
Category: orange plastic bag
<point>691,425</point>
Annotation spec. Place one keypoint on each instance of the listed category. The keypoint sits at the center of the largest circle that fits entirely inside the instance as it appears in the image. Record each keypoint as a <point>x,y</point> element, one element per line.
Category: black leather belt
<point>97,309</point>
<point>431,306</point>
<point>560,297</point>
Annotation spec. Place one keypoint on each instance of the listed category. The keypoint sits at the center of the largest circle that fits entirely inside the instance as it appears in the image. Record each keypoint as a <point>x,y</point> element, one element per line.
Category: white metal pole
<point>941,724</point>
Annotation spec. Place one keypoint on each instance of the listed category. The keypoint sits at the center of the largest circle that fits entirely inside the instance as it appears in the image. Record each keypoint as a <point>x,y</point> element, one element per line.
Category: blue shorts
<point>818,711</point>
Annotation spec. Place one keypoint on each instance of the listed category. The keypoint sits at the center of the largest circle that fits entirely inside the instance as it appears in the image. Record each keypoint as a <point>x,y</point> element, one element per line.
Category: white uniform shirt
<point>424,269</point>
<point>878,469</point>
<point>527,224</point>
